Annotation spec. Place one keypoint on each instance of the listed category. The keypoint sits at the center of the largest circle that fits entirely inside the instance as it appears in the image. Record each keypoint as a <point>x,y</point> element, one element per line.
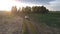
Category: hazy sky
<point>50,4</point>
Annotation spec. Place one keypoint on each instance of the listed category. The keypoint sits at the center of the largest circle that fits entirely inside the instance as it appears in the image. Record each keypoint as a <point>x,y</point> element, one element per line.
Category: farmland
<point>39,23</point>
<point>48,23</point>
<point>51,19</point>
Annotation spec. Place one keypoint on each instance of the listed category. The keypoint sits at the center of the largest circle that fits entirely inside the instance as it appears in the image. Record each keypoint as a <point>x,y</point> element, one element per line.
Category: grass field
<point>17,24</point>
<point>51,19</point>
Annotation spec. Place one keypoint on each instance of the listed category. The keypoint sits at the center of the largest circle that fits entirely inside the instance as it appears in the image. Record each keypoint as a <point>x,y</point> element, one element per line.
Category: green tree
<point>34,9</point>
<point>23,9</point>
<point>39,9</point>
<point>14,10</point>
<point>19,10</point>
<point>27,9</point>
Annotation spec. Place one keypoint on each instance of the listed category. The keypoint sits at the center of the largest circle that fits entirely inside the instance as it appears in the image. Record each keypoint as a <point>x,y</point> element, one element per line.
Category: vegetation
<point>14,10</point>
<point>27,9</point>
<point>39,9</point>
<point>39,14</point>
<point>51,19</point>
<point>33,31</point>
<point>24,29</point>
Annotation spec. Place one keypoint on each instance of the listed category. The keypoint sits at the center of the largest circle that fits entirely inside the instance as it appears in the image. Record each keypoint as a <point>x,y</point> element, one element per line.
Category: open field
<point>38,24</point>
<point>51,19</point>
<point>43,23</point>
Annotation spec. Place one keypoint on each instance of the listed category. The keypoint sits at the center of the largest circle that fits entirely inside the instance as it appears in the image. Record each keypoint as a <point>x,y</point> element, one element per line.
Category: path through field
<point>32,28</point>
<point>20,25</point>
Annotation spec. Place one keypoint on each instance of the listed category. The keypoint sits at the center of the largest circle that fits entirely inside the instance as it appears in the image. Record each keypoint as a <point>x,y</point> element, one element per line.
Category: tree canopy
<point>27,9</point>
<point>39,9</point>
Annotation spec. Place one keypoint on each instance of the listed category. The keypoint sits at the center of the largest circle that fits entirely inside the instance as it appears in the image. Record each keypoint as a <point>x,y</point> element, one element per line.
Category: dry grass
<point>10,24</point>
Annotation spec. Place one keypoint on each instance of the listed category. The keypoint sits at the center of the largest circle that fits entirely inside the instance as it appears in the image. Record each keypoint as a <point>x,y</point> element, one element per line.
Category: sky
<point>53,5</point>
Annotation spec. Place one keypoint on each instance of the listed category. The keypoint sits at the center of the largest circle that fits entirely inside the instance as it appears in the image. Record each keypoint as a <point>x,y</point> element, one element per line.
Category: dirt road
<point>37,28</point>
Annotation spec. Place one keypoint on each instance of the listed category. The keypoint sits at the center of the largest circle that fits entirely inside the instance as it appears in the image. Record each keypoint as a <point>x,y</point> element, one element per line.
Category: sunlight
<point>7,4</point>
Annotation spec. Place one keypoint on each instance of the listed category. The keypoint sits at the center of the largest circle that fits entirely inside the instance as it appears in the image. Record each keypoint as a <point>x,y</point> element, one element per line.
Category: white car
<point>27,17</point>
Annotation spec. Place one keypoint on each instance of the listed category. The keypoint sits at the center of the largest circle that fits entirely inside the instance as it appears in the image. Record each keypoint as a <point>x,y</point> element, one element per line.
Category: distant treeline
<point>27,9</point>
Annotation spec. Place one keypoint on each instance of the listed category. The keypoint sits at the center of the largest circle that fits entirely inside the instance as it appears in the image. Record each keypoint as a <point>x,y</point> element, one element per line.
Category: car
<point>27,17</point>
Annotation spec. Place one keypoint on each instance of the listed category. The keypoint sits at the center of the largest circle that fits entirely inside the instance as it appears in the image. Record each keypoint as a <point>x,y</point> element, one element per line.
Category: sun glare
<point>7,4</point>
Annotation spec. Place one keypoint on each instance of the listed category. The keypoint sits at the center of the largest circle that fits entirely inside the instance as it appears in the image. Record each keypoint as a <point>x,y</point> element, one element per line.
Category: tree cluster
<point>39,9</point>
<point>27,9</point>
